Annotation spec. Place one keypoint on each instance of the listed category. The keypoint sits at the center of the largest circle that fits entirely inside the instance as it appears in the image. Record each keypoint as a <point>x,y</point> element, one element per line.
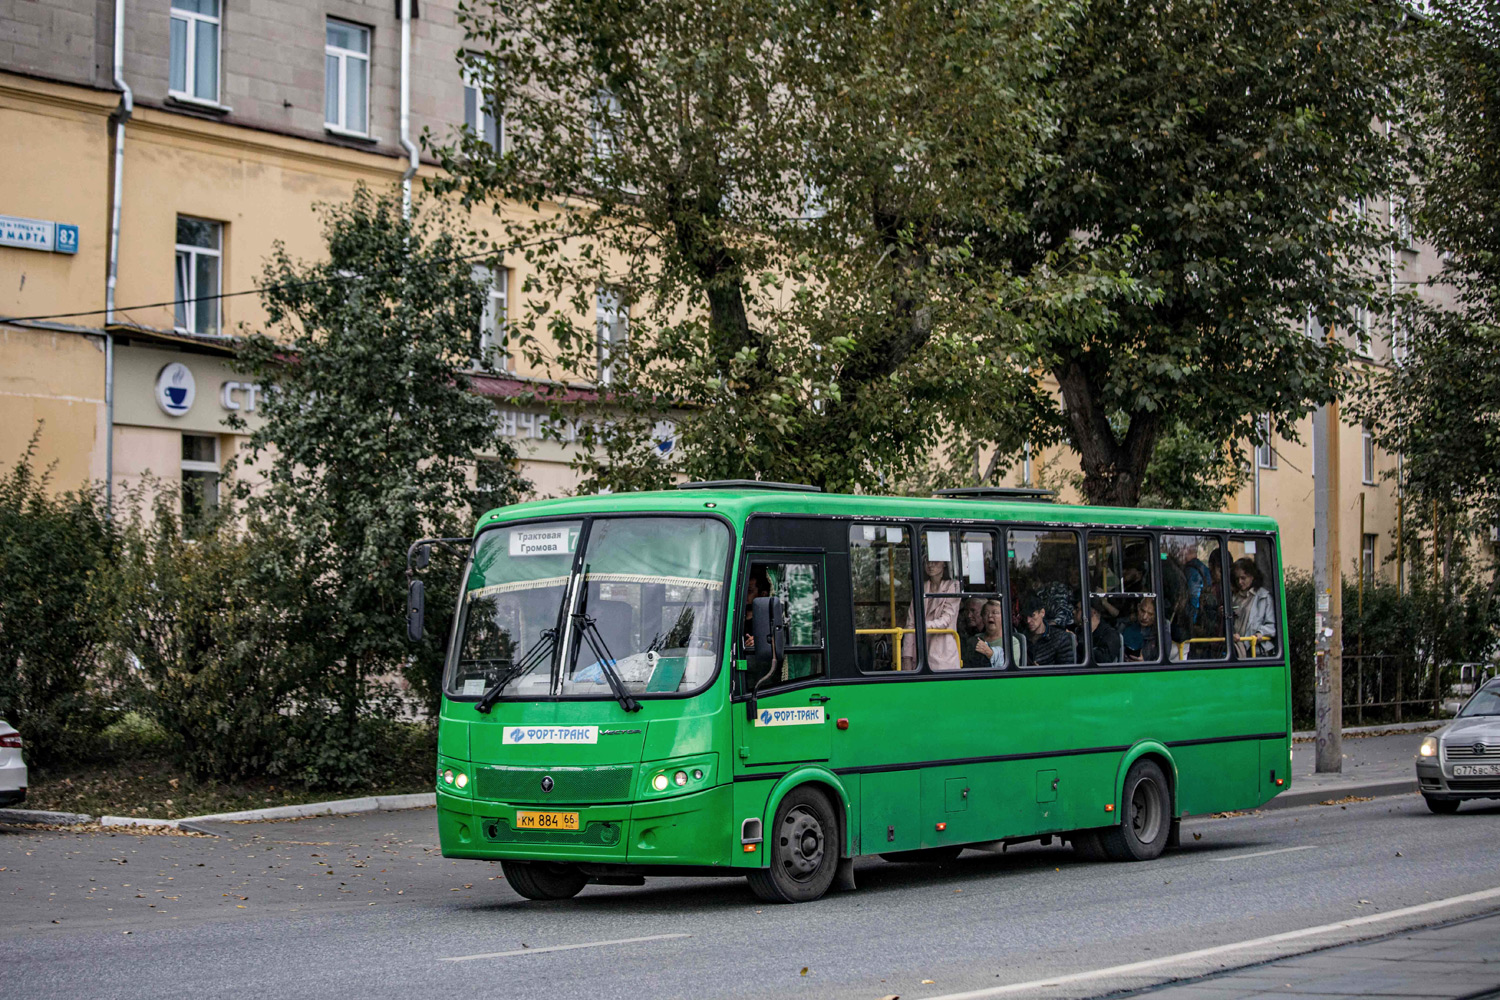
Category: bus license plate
<point>527,820</point>
<point>1476,770</point>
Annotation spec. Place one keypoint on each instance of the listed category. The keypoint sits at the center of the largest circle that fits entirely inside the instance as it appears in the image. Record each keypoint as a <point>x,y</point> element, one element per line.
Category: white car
<point>12,766</point>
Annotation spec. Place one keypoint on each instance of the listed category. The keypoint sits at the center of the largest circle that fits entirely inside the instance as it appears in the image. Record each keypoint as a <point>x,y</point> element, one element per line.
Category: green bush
<point>53,547</point>
<point>1410,644</point>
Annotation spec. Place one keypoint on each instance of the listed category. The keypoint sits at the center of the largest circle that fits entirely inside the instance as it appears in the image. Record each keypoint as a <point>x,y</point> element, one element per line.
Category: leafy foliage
<point>1222,146</point>
<point>787,196</point>
<point>53,549</point>
<point>368,443</point>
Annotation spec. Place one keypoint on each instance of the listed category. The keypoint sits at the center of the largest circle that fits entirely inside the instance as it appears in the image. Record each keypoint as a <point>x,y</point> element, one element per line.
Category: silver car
<point>1462,760</point>
<point>12,766</point>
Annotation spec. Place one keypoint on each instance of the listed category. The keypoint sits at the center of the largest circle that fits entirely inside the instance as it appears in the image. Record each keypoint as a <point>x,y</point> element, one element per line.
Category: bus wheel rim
<point>802,843</point>
<point>1145,811</point>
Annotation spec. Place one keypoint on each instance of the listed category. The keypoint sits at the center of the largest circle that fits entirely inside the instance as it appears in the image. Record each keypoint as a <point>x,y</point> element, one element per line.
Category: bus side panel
<point>889,811</point>
<point>1217,777</point>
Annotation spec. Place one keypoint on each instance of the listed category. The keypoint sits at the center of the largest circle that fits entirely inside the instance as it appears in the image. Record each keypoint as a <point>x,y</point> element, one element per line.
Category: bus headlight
<point>448,776</point>
<point>659,782</point>
<point>680,777</point>
<point>1429,747</point>
<point>462,780</point>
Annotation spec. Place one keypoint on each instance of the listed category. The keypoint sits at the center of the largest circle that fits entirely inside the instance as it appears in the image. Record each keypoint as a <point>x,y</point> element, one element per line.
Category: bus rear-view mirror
<point>416,609</point>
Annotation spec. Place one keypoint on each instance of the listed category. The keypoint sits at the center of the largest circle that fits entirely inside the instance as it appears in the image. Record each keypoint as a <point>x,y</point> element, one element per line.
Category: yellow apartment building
<point>181,139</point>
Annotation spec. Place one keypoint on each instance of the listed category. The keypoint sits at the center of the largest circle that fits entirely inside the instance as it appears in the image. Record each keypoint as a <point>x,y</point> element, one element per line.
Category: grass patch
<point>136,776</point>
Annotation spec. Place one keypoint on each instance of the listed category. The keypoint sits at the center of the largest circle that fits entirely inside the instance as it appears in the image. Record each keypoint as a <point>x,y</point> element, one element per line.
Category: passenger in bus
<point>758,585</point>
<point>991,643</point>
<point>970,628</point>
<point>1048,644</point>
<point>942,619</point>
<point>1108,646</point>
<point>1139,637</point>
<point>1254,611</point>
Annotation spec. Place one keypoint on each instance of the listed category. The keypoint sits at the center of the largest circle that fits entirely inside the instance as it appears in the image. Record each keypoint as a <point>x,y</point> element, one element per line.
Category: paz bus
<point>763,680</point>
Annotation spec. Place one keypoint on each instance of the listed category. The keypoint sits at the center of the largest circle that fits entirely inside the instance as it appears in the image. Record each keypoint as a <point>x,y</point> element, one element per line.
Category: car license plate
<point>528,820</point>
<point>1476,770</point>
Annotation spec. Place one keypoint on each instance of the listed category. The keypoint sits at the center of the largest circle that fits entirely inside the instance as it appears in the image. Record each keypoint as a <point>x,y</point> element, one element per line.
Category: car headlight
<point>1429,747</point>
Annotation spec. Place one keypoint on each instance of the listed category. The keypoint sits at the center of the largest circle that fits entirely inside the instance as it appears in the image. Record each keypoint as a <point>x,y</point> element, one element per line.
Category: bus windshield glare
<point>646,598</point>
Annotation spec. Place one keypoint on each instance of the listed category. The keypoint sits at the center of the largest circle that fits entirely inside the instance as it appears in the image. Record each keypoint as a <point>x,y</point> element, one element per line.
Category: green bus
<point>763,680</point>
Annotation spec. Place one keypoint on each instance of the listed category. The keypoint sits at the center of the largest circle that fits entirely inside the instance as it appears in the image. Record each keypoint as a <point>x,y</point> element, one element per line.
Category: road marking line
<point>1223,949</point>
<point>563,947</point>
<point>1262,854</point>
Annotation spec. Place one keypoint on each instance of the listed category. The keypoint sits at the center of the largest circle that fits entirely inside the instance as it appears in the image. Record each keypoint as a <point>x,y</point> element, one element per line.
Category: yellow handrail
<point>900,634</point>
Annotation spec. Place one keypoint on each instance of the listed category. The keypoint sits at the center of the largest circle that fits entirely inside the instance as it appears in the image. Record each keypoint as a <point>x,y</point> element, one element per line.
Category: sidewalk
<point>1374,765</point>
<point>1447,962</point>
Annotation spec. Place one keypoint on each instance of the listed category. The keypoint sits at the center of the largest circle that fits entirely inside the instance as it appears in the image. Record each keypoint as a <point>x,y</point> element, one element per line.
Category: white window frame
<point>1265,454</point>
<point>612,331</point>
<point>1367,558</point>
<point>194,297</point>
<point>607,111</point>
<point>482,115</point>
<point>194,465</point>
<point>343,56</point>
<point>492,324</point>
<point>190,19</point>
<point>1367,455</point>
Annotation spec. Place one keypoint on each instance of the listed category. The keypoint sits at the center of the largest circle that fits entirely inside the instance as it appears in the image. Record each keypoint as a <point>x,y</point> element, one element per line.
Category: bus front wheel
<point>543,880</point>
<point>1146,815</point>
<point>804,850</point>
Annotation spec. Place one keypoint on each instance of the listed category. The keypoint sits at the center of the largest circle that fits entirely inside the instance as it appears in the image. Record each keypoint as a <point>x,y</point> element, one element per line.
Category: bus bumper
<point>693,829</point>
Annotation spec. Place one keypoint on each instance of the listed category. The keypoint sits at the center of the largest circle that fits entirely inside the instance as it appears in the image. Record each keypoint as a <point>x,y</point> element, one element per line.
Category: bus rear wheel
<point>1146,816</point>
<point>544,880</point>
<point>804,850</point>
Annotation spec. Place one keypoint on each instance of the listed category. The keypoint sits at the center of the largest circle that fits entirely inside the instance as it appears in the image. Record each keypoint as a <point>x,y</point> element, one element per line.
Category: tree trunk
<point>1113,470</point>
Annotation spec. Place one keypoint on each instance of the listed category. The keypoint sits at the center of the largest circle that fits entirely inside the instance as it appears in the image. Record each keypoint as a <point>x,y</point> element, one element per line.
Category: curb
<point>1307,735</point>
<point>1363,789</point>
<point>43,816</point>
<point>336,807</point>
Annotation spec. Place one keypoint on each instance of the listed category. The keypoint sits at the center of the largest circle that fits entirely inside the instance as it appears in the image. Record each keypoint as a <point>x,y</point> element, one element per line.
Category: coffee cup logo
<point>175,389</point>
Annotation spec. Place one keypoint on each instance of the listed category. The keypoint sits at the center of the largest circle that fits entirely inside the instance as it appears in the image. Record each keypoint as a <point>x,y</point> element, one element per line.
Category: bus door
<point>792,721</point>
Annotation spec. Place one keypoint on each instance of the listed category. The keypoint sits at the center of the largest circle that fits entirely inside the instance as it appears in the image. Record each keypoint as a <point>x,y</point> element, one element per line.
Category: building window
<point>346,69</point>
<point>607,114</point>
<point>194,70</point>
<point>1367,560</point>
<point>1367,455</point>
<point>492,352</point>
<point>199,252</point>
<point>200,480</point>
<point>1265,454</point>
<point>480,119</point>
<point>613,325</point>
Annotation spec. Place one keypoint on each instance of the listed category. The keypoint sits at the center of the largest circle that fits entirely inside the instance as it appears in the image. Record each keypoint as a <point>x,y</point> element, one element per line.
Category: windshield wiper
<point>527,663</point>
<point>592,636</point>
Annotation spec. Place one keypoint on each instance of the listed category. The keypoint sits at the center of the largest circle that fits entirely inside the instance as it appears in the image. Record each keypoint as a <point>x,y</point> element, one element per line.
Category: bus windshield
<point>647,600</point>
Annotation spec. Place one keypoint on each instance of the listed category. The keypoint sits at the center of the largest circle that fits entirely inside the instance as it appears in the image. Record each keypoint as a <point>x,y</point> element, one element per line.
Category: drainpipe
<point>121,116</point>
<point>406,143</point>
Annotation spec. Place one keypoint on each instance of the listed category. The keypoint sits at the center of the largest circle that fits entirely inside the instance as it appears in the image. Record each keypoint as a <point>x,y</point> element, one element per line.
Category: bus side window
<point>1193,584</point>
<point>960,580</point>
<point>799,584</point>
<point>1254,601</point>
<point>1122,599</point>
<point>1046,592</point>
<point>881,584</point>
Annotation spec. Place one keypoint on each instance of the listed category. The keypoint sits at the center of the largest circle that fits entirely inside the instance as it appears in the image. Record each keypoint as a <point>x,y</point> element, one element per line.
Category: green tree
<point>53,625</point>
<point>370,439</point>
<point>1229,146</point>
<point>787,196</point>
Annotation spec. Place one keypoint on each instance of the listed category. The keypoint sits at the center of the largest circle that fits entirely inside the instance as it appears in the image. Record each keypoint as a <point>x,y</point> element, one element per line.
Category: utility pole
<point>1328,586</point>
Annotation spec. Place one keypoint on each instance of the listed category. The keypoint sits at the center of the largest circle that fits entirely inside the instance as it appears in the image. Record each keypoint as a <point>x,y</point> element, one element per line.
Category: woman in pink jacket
<point>941,613</point>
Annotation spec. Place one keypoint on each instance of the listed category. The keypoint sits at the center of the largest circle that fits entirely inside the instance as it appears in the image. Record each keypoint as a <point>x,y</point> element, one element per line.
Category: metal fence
<point>1384,687</point>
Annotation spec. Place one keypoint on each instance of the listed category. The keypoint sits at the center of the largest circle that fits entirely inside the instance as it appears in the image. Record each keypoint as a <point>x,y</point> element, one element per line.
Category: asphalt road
<point>364,906</point>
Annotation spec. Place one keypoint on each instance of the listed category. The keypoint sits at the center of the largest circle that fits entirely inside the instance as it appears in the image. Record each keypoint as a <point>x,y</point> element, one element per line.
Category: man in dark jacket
<point>1046,644</point>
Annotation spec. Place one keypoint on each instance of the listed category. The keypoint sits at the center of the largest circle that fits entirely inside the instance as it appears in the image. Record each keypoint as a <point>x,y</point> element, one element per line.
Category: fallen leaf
<point>926,981</point>
<point>1197,836</point>
<point>803,972</point>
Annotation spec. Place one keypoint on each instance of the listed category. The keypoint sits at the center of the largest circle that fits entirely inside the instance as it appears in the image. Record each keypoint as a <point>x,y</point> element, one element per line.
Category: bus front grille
<point>609,783</point>
<point>499,831</point>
